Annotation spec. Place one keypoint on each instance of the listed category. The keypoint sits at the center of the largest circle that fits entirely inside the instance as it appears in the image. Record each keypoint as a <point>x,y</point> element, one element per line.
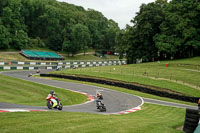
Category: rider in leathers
<point>53,94</point>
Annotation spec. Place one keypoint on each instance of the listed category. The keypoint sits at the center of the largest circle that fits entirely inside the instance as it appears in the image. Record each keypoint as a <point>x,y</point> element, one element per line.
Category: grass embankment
<point>12,56</point>
<point>16,56</point>
<point>174,77</point>
<point>18,91</point>
<point>151,119</point>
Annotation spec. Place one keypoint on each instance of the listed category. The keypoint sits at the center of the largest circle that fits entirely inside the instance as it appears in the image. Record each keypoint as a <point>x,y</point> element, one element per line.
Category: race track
<point>116,102</point>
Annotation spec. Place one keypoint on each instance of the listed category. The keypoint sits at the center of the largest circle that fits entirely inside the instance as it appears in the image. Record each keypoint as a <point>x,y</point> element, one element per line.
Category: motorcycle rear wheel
<point>60,106</point>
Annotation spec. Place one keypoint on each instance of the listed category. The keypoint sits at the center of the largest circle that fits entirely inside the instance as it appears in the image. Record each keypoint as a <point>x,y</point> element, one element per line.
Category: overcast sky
<point>121,11</point>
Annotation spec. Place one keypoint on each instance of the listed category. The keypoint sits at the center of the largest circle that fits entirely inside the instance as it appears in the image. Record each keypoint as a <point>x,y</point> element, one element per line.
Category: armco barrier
<point>95,63</point>
<point>55,66</point>
<point>13,65</point>
<point>127,86</point>
<point>18,68</point>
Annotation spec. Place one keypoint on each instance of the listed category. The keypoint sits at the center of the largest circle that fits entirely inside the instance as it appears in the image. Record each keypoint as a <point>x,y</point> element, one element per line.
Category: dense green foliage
<point>55,25</point>
<point>163,30</point>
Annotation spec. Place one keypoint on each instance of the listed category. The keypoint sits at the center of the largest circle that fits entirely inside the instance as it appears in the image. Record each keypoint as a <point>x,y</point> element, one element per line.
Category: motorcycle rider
<point>53,94</point>
<point>99,95</point>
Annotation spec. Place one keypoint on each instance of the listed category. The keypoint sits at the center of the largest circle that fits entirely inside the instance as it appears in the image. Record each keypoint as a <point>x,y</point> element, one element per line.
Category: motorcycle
<point>51,100</point>
<point>100,106</point>
<point>38,71</point>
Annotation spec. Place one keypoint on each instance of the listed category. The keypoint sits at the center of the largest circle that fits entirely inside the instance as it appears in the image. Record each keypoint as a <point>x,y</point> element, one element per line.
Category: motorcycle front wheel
<point>49,105</point>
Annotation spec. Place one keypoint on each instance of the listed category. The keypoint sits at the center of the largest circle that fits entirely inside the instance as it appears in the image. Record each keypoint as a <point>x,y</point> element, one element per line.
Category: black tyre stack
<point>191,120</point>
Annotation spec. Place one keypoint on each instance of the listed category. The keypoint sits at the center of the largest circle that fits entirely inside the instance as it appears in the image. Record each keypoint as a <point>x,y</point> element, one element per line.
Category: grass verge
<point>151,119</point>
<point>16,56</point>
<point>176,77</point>
<point>186,90</point>
<point>19,91</point>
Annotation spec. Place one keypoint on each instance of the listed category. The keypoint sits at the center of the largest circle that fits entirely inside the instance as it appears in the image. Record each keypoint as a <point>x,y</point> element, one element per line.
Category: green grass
<point>18,91</point>
<point>15,56</point>
<point>9,56</point>
<point>194,61</point>
<point>173,77</point>
<point>151,119</point>
<point>143,80</point>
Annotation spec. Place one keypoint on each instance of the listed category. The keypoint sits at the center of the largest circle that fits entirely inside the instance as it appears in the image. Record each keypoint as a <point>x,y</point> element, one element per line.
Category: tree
<point>36,43</point>
<point>20,40</point>
<point>110,35</point>
<point>52,23</point>
<point>97,25</point>
<point>179,35</point>
<point>80,38</point>
<point>122,43</point>
<point>146,26</point>
<point>4,38</point>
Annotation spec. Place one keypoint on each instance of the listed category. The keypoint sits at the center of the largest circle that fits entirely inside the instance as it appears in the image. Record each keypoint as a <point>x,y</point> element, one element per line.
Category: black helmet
<point>51,92</point>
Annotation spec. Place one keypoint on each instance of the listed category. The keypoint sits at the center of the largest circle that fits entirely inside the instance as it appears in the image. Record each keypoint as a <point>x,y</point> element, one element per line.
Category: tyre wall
<point>191,120</point>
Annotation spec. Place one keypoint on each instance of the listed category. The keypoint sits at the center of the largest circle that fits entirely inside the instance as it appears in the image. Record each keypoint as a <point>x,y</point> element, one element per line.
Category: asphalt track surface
<point>115,101</point>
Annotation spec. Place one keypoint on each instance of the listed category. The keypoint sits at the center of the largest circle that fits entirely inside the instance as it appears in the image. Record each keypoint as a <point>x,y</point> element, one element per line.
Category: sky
<point>121,11</point>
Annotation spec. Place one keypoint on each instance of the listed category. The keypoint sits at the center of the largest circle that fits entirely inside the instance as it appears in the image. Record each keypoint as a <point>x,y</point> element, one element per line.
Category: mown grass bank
<point>19,91</point>
<point>151,119</point>
<point>174,77</point>
<point>5,56</point>
<point>16,56</point>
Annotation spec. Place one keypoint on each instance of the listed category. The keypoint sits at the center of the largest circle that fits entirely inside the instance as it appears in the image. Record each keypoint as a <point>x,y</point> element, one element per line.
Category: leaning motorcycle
<point>100,106</point>
<point>51,100</point>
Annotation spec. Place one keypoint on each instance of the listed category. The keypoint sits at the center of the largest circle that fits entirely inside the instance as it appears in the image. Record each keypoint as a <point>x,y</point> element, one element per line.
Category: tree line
<point>162,30</point>
<point>55,25</point>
